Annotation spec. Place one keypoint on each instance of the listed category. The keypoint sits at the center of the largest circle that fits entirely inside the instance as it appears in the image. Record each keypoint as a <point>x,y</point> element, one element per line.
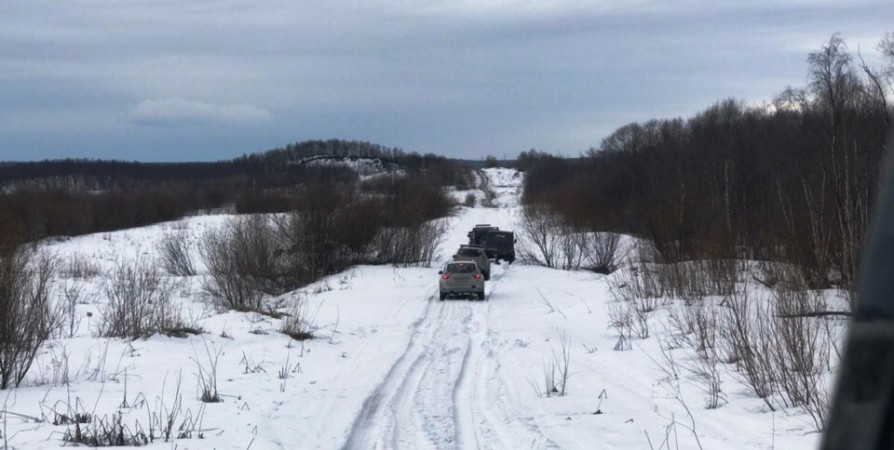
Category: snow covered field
<point>390,367</point>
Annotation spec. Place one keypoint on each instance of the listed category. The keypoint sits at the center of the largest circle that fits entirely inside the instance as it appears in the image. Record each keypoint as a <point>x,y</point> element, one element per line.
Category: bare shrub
<point>638,286</point>
<point>139,304</point>
<point>696,324</point>
<point>406,246</point>
<point>699,278</point>
<point>746,329</point>
<point>56,372</point>
<point>26,318</point>
<point>707,373</point>
<point>601,253</point>
<point>80,267</point>
<point>549,239</point>
<point>66,309</point>
<point>800,349</point>
<point>680,325</point>
<point>635,297</point>
<point>538,235</point>
<point>781,347</point>
<point>689,279</point>
<point>572,243</point>
<point>245,263</point>
<point>782,276</point>
<point>176,256</point>
<point>325,239</point>
<point>105,432</point>
<point>628,321</point>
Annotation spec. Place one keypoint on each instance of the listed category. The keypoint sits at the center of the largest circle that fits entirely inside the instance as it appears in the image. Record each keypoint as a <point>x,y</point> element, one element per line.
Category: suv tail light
<point>477,275</point>
<point>446,276</point>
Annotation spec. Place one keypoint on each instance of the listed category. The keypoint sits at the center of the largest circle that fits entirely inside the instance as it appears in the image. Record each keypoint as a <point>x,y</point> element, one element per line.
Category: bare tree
<point>838,93</point>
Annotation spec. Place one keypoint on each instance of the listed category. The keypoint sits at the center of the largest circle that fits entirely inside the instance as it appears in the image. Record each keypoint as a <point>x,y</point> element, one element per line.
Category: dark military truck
<point>476,236</point>
<point>498,244</point>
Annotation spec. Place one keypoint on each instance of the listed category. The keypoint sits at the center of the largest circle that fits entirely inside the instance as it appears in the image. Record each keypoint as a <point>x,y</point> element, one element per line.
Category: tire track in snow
<point>463,416</point>
<point>423,401</point>
<point>496,423</point>
<point>376,414</point>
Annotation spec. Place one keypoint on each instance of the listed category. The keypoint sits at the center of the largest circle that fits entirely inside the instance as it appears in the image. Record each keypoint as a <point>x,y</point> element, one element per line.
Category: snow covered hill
<point>390,367</point>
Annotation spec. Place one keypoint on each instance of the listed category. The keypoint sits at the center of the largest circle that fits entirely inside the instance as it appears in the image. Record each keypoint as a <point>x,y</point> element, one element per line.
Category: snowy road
<point>445,390</point>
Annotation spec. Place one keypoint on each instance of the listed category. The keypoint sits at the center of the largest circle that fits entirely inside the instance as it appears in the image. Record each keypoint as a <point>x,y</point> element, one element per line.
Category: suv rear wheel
<point>443,296</point>
<point>481,295</point>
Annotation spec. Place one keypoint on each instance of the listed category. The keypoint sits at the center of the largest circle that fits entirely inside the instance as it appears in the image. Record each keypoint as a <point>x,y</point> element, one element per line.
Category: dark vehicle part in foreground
<point>862,415</point>
<point>461,278</point>
<point>498,244</point>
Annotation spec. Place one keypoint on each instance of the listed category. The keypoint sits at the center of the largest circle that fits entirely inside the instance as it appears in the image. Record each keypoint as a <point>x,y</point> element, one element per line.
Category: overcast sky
<point>191,80</point>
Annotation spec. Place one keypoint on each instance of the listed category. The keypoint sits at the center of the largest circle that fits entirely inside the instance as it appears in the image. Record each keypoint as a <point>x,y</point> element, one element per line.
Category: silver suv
<point>461,278</point>
<point>477,254</point>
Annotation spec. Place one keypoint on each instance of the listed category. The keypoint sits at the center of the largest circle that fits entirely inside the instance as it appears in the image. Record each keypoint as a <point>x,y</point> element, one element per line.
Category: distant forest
<point>77,196</point>
<point>789,181</point>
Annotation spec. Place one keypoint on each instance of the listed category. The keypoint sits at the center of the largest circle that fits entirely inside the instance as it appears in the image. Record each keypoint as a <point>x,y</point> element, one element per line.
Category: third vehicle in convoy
<point>498,244</point>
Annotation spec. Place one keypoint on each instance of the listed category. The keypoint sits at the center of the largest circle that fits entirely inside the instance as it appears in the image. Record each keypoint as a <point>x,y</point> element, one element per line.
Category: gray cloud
<point>170,112</point>
<point>459,77</point>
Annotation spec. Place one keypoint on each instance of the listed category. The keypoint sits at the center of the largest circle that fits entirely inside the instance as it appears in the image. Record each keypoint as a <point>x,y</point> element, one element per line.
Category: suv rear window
<point>461,268</point>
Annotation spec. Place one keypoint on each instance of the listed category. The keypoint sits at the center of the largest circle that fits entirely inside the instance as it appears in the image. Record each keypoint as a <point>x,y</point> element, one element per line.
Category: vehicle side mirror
<point>515,241</point>
<point>440,272</point>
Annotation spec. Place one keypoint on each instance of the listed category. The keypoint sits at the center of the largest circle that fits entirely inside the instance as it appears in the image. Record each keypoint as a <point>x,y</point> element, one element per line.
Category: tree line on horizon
<point>78,196</point>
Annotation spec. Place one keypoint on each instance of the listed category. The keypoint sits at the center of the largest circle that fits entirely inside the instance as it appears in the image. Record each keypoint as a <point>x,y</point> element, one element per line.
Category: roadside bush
<point>538,236</point>
<point>406,246</point>
<point>546,238</point>
<point>331,230</point>
<point>26,318</point>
